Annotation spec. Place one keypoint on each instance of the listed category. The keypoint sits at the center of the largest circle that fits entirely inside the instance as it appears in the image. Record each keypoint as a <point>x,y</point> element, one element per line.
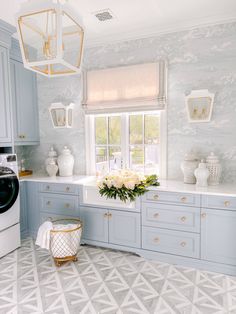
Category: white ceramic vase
<point>52,168</point>
<point>215,169</point>
<point>65,163</point>
<point>202,174</point>
<point>188,166</point>
<point>52,155</point>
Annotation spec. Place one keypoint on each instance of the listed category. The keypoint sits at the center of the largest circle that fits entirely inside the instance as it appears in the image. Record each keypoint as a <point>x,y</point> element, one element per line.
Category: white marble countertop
<point>165,185</point>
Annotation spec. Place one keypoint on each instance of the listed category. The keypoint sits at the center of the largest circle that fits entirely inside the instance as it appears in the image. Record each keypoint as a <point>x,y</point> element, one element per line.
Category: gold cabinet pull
<point>109,215</point>
<point>156,215</point>
<point>67,189</point>
<point>227,203</point>
<point>183,244</point>
<point>48,203</point>
<point>203,215</point>
<point>67,205</point>
<point>105,215</point>
<point>156,197</point>
<point>183,219</point>
<point>22,136</point>
<point>183,199</point>
<point>156,240</point>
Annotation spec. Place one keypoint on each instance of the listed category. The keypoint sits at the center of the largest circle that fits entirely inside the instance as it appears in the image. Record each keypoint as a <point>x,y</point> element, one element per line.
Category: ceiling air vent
<point>104,15</point>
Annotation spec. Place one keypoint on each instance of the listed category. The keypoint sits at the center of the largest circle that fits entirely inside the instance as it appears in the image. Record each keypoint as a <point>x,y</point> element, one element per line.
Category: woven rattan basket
<point>64,244</point>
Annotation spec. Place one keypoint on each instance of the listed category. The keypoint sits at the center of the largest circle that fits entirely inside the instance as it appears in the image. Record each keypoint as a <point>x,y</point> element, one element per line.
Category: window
<point>126,140</point>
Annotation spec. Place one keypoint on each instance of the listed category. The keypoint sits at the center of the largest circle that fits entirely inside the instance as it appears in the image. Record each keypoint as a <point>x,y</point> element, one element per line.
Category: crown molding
<point>155,31</point>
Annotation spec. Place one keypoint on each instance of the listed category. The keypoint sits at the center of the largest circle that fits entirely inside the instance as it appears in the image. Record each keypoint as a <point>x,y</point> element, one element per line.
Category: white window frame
<point>90,142</point>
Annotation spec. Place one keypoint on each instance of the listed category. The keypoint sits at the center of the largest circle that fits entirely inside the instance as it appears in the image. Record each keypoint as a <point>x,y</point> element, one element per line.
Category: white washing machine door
<point>9,189</point>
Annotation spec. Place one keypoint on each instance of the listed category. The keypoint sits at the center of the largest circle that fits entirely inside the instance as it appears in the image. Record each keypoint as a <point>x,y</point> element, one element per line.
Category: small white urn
<point>202,174</point>
<point>188,166</point>
<point>65,163</point>
<point>52,155</point>
<point>52,168</point>
<point>215,169</point>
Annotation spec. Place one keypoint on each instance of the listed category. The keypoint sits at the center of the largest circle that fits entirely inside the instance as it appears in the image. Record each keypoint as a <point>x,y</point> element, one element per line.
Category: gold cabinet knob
<point>67,205</point>
<point>156,215</point>
<point>227,203</point>
<point>105,215</point>
<point>48,203</point>
<point>183,219</point>
<point>203,215</point>
<point>109,215</point>
<point>47,187</point>
<point>183,199</point>
<point>156,240</point>
<point>67,189</point>
<point>156,197</point>
<point>183,244</point>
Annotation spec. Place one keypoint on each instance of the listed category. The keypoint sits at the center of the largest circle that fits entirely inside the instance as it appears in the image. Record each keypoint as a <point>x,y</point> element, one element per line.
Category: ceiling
<point>140,18</point>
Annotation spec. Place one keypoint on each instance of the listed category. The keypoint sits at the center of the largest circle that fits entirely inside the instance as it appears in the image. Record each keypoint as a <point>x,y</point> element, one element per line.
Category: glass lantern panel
<point>59,68</point>
<point>72,40</point>
<point>59,117</point>
<point>38,35</point>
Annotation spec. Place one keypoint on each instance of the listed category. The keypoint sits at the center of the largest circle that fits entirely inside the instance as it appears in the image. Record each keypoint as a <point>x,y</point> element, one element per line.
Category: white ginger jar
<point>188,166</point>
<point>52,155</point>
<point>66,163</point>
<point>215,169</point>
<point>202,174</point>
<point>52,168</point>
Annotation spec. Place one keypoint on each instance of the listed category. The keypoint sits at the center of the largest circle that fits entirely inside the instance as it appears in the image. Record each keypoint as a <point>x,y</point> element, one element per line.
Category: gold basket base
<point>62,260</point>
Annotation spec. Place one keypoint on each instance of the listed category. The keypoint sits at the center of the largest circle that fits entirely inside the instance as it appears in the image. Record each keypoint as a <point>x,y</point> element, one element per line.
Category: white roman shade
<point>127,88</point>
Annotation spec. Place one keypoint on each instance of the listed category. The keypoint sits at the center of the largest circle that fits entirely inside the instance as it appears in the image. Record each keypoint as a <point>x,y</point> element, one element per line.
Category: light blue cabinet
<point>95,224</point>
<point>24,102</point>
<point>124,228</point>
<point>218,236</point>
<point>23,210</point>
<point>5,102</point>
<point>33,212</point>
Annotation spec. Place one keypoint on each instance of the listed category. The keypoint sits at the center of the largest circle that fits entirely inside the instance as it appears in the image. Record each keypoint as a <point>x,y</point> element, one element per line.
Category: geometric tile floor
<point>107,281</point>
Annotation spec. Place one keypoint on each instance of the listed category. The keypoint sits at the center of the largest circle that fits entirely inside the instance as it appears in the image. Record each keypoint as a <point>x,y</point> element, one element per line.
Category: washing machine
<point>9,204</point>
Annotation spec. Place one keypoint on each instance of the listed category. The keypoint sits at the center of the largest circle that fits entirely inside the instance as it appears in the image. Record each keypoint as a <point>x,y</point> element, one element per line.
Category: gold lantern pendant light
<point>51,37</point>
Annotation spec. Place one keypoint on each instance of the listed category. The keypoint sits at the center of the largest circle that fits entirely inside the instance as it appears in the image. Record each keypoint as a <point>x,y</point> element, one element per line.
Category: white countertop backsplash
<point>165,185</point>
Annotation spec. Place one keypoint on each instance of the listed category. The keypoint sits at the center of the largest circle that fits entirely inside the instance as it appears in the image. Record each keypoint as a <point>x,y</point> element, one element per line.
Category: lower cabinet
<point>218,236</point>
<point>23,210</point>
<point>111,226</point>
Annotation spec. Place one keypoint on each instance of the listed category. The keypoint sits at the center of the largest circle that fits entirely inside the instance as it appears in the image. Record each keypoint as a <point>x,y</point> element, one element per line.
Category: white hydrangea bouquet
<point>125,184</point>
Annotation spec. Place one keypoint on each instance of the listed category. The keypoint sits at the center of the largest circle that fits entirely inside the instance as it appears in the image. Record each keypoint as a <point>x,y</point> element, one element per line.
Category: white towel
<point>43,236</point>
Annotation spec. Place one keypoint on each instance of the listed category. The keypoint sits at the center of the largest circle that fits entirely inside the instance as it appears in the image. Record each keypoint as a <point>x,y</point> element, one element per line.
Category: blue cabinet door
<point>25,108</point>
<point>124,228</point>
<point>5,114</point>
<point>23,210</point>
<point>33,207</point>
<point>218,234</point>
<point>95,224</point>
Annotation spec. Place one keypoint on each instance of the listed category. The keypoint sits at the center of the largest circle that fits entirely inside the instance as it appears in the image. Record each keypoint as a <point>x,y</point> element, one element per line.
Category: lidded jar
<point>202,174</point>
<point>188,166</point>
<point>52,155</point>
<point>66,163</point>
<point>215,169</point>
<point>52,168</point>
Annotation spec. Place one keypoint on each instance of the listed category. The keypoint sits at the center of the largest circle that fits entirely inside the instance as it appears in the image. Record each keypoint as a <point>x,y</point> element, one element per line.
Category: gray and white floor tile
<point>108,281</point>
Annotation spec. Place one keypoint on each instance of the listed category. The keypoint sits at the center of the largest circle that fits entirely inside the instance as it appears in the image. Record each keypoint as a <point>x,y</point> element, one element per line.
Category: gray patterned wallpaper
<point>203,58</point>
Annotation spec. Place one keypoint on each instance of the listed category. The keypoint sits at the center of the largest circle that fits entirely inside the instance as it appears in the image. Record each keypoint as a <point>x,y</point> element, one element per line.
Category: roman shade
<point>128,88</point>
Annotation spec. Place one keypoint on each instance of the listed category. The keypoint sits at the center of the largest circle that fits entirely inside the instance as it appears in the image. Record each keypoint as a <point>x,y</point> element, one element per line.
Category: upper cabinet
<point>24,103</point>
<point>6,32</point>
<point>5,114</point>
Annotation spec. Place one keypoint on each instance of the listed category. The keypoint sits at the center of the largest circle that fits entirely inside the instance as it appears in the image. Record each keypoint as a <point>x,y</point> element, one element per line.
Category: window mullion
<point>124,140</point>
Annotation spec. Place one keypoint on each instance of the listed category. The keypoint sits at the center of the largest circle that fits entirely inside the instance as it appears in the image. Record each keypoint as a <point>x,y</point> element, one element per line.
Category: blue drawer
<point>59,204</point>
<point>183,218</point>
<point>172,242</point>
<point>172,198</point>
<point>221,202</point>
<point>59,188</point>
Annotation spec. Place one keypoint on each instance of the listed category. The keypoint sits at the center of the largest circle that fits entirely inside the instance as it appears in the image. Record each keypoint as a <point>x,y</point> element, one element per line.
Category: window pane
<point>152,126</point>
<point>101,130</point>
<point>115,158</point>
<point>136,129</point>
<point>151,159</point>
<point>101,159</point>
<point>136,158</point>
<point>114,130</point>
